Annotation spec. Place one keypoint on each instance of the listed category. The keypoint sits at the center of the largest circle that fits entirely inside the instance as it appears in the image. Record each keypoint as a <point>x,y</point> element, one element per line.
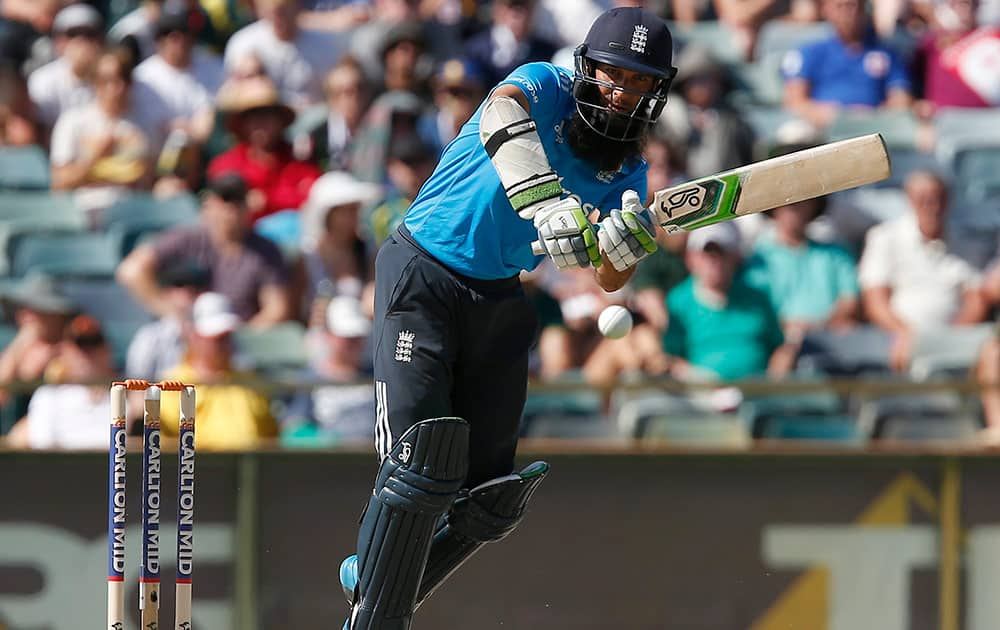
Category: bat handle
<point>537,249</point>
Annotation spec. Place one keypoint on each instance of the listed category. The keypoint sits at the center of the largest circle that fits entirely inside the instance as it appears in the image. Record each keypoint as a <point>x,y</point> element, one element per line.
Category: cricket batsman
<point>545,151</point>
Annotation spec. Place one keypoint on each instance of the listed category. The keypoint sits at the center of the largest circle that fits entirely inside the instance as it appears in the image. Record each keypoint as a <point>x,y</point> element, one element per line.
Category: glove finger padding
<point>627,236</point>
<point>567,236</point>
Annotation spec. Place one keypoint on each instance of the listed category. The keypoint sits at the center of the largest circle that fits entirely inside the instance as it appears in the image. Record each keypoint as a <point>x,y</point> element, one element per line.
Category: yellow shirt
<point>227,416</point>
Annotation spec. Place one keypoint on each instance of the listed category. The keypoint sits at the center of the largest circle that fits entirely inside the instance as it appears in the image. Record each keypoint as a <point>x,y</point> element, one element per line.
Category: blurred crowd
<point>303,129</point>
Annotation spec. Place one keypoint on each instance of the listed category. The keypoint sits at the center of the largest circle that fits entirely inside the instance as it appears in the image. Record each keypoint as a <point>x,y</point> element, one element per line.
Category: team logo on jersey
<point>876,64</point>
<point>639,38</point>
<point>606,176</point>
<point>404,346</point>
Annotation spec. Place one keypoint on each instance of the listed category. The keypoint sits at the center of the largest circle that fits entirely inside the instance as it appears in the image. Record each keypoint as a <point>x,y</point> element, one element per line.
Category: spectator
<point>404,60</point>
<point>72,413</point>
<point>343,410</point>
<point>369,39</point>
<point>713,134</point>
<point>812,285</point>
<point>296,59</point>
<point>232,412</point>
<point>458,91</point>
<point>410,162</point>
<point>184,77</point>
<point>258,118</point>
<point>23,25</point>
<point>553,351</point>
<point>953,60</point>
<point>338,262</point>
<point>158,346</point>
<point>17,113</point>
<point>40,312</point>
<point>720,327</point>
<point>745,18</point>
<point>851,69</point>
<point>137,29</point>
<point>67,82</point>
<point>509,41</point>
<point>347,97</point>
<point>391,115</point>
<point>102,151</point>
<point>914,272</point>
<point>245,267</point>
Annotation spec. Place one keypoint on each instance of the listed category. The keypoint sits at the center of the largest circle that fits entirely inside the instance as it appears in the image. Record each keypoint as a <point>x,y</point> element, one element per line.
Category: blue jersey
<point>846,75</point>
<point>462,215</point>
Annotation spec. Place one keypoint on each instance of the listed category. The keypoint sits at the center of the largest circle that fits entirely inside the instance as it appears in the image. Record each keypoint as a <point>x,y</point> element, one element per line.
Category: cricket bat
<point>769,184</point>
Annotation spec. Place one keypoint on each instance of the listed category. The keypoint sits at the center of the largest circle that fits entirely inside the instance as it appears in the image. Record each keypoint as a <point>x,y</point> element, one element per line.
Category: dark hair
<point>125,58</point>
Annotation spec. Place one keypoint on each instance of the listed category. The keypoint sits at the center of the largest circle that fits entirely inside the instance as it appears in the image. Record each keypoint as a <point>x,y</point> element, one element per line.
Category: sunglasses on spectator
<point>83,31</point>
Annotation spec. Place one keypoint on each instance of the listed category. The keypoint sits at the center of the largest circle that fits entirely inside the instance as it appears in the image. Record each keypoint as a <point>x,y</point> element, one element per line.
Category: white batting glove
<point>627,235</point>
<point>566,236</point>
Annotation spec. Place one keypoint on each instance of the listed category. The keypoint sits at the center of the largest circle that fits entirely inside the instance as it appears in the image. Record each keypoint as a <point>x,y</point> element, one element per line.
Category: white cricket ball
<point>614,322</point>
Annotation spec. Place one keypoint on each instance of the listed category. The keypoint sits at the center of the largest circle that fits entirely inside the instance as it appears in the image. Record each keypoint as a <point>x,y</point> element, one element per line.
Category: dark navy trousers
<point>449,345</point>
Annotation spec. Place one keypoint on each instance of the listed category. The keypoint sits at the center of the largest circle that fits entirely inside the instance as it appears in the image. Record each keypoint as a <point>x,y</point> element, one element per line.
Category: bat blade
<point>772,183</point>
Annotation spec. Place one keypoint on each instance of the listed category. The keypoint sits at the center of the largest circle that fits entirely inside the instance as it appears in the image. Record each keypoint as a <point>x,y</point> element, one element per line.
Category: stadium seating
<point>842,429</point>
<point>550,413</point>
<point>23,168</point>
<point>106,300</point>
<point>697,430</point>
<point>873,413</point>
<point>274,350</point>
<point>63,254</point>
<point>566,426</point>
<point>759,412</point>
<point>898,127</point>
<point>714,35</point>
<point>7,332</point>
<point>948,352</point>
<point>136,218</point>
<point>863,351</point>
<point>930,427</point>
<point>146,210</point>
<point>777,37</point>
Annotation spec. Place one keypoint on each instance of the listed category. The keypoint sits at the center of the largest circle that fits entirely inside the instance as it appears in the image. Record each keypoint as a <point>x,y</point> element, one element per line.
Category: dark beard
<point>603,153</point>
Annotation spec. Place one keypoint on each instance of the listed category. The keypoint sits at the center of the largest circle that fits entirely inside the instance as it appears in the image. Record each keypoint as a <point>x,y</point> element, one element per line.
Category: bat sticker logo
<point>694,197</point>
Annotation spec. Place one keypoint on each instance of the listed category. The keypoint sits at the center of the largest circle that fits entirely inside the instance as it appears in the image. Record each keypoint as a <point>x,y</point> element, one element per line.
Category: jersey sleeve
<point>545,86</point>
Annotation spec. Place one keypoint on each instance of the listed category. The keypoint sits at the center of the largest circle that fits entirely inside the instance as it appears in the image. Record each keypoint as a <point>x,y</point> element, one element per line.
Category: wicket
<point>149,569</point>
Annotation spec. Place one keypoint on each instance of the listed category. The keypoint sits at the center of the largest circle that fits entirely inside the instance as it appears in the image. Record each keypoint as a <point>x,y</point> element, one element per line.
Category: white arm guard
<point>511,140</point>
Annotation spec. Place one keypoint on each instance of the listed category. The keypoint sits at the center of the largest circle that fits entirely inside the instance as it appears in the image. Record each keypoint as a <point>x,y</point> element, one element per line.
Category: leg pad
<point>489,512</point>
<point>417,483</point>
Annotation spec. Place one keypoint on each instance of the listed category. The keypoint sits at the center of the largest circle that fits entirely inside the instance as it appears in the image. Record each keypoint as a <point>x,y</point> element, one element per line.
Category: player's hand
<point>627,235</point>
<point>566,236</point>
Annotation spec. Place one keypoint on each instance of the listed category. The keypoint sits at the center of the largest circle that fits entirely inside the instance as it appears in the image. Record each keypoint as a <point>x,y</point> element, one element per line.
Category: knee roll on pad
<point>489,512</point>
<point>416,484</point>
